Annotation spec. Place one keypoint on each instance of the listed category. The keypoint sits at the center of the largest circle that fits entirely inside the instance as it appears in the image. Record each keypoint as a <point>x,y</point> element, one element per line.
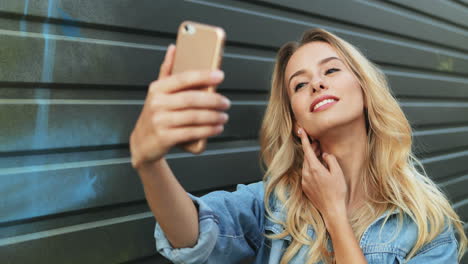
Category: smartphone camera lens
<point>189,29</point>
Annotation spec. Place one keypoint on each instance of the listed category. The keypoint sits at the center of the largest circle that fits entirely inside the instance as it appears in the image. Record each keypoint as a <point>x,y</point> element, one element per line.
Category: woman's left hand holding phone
<point>176,112</point>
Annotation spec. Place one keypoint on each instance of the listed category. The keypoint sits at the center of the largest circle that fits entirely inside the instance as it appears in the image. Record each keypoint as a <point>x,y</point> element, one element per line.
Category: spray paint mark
<point>69,30</point>
<point>42,114</point>
<point>23,22</point>
<point>34,193</point>
<point>82,190</point>
<point>37,206</point>
<point>43,193</point>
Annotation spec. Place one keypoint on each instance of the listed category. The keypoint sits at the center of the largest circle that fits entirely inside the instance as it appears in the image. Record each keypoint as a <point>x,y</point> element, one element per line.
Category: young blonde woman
<point>340,185</point>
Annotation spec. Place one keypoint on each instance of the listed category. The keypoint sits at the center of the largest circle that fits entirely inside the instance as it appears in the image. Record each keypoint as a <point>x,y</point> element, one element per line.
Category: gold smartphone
<point>198,47</point>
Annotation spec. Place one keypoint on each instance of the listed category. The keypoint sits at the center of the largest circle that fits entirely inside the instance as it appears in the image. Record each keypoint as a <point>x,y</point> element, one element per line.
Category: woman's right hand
<point>175,112</point>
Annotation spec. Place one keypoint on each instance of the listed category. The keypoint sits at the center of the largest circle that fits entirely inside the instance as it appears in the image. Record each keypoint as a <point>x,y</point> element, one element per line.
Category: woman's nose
<point>318,85</point>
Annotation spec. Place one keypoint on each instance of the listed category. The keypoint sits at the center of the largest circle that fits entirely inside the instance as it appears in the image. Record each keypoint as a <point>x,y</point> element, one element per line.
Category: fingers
<point>305,171</point>
<point>316,148</point>
<point>191,118</point>
<point>332,163</point>
<point>309,152</point>
<point>187,80</point>
<point>166,66</point>
<point>192,99</point>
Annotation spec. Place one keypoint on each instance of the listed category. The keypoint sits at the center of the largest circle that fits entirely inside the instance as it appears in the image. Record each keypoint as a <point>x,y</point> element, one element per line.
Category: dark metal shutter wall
<point>74,75</point>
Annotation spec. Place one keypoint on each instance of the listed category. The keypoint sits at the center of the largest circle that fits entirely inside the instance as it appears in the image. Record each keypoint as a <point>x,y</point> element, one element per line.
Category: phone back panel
<point>198,47</point>
<point>199,50</point>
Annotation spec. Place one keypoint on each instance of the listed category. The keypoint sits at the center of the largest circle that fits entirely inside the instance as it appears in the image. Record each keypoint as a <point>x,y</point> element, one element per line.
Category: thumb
<point>332,163</point>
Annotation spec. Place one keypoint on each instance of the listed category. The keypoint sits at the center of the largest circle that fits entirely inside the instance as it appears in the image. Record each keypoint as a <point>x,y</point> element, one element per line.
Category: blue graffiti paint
<point>69,30</point>
<point>48,62</point>
<point>32,185</point>
<point>34,193</point>
<point>29,195</point>
<point>23,22</point>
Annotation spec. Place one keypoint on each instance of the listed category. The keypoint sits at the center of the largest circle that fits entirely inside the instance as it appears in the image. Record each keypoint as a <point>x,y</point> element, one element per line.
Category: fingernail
<point>219,128</point>
<point>226,102</point>
<point>324,154</point>
<point>217,75</point>
<point>167,51</point>
<point>299,131</point>
<point>224,117</point>
<point>171,46</point>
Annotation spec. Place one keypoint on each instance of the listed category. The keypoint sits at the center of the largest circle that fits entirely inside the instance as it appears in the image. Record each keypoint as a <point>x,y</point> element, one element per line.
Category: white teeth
<point>323,102</point>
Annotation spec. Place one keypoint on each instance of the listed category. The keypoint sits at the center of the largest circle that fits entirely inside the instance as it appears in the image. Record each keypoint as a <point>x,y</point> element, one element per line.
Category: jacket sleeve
<point>442,250</point>
<point>230,226</point>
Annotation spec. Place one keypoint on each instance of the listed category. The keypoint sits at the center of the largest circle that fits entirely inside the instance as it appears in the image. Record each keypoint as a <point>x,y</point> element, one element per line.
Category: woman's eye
<point>299,85</point>
<point>332,70</point>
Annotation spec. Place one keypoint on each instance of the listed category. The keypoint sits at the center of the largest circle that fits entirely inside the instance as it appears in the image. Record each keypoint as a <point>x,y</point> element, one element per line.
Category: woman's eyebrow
<point>328,59</point>
<point>299,72</point>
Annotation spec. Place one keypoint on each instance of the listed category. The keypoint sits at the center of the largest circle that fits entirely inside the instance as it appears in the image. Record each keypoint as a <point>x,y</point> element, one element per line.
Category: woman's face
<point>316,70</point>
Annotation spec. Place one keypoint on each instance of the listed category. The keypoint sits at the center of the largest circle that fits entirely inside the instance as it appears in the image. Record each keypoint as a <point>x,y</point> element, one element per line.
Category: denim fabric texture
<point>232,225</point>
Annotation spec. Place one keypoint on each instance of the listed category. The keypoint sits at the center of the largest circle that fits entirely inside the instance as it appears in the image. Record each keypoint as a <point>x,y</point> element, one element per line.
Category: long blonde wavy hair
<point>390,165</point>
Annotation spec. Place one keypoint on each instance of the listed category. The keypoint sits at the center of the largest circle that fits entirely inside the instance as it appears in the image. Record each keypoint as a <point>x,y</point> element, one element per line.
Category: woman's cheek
<point>297,109</point>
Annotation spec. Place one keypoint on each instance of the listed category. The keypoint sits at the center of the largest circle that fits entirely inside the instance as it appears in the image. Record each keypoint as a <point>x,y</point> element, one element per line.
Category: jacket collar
<point>385,214</point>
<point>279,212</point>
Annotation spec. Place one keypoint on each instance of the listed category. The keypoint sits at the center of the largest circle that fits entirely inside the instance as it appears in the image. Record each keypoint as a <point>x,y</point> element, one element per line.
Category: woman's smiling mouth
<point>323,103</point>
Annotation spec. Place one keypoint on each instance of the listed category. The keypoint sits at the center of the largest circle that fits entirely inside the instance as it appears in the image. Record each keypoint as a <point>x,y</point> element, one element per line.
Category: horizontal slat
<point>115,240</point>
<point>461,208</point>
<point>456,188</point>
<point>107,241</point>
<point>45,124</point>
<point>34,60</point>
<point>444,10</point>
<point>385,17</point>
<point>60,221</point>
<point>435,112</point>
<point>439,140</point>
<point>443,166</point>
<point>408,83</point>
<point>58,186</point>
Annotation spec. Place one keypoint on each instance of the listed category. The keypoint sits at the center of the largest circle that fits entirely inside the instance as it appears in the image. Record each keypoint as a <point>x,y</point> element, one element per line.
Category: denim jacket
<point>231,226</point>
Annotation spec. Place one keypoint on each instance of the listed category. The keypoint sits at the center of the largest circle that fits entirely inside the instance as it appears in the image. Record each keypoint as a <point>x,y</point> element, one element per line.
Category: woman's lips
<point>325,106</point>
<point>321,99</point>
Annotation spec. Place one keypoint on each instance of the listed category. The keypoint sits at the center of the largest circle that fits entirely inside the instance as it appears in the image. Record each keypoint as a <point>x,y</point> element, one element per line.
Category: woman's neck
<point>348,144</point>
